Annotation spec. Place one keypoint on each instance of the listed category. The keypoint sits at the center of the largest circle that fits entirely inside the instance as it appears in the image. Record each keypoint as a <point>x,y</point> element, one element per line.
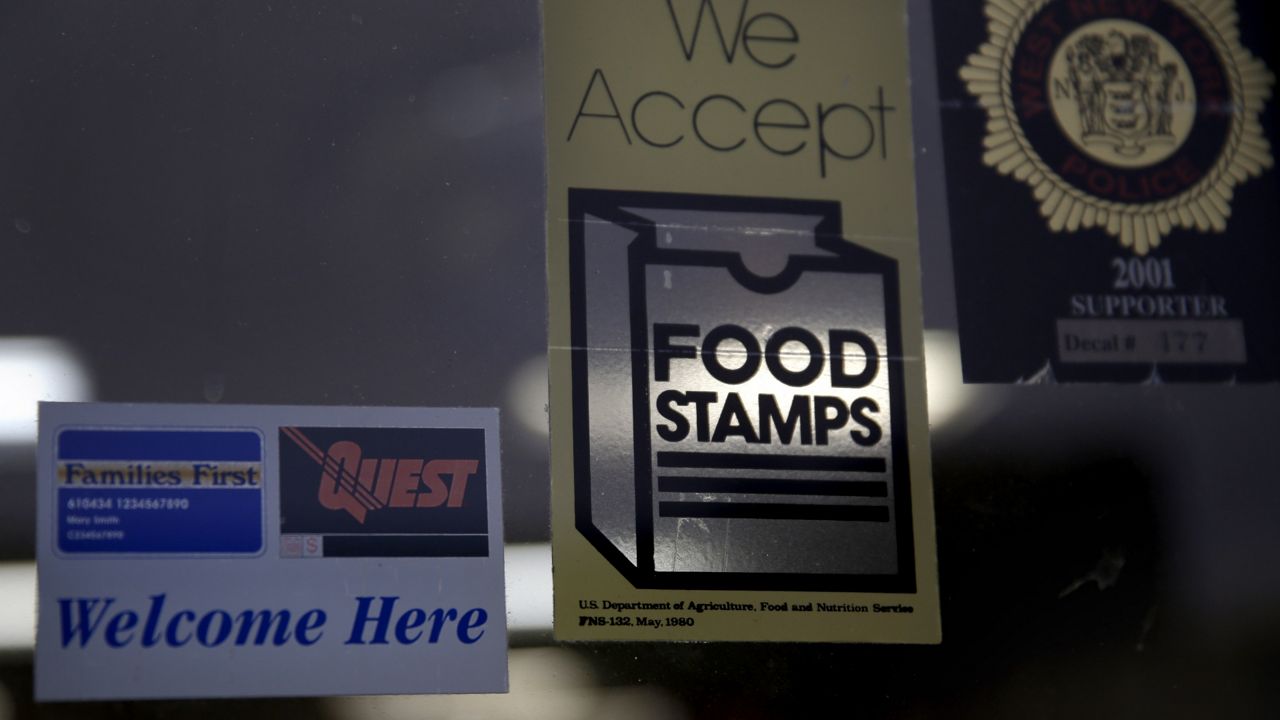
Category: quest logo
<point>349,481</point>
<point>377,492</point>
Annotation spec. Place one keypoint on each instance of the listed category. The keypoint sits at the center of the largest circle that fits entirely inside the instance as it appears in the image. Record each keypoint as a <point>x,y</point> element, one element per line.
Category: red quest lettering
<point>359,485</point>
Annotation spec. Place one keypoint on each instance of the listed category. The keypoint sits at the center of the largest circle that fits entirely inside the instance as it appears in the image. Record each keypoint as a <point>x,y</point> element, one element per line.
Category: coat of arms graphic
<point>1123,91</point>
<point>1136,118</point>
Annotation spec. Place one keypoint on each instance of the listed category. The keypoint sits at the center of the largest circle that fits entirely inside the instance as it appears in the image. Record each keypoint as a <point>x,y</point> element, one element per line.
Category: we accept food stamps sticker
<point>202,551</point>
<point>739,438</point>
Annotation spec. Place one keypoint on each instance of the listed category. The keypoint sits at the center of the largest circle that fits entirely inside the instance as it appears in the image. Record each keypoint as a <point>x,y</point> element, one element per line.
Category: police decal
<point>1134,117</point>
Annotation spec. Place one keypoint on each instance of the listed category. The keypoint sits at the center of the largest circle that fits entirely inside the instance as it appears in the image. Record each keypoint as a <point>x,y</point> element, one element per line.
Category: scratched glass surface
<point>341,202</point>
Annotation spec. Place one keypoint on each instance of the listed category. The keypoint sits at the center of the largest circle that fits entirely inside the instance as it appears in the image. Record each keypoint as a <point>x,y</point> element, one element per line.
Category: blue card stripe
<point>229,445</point>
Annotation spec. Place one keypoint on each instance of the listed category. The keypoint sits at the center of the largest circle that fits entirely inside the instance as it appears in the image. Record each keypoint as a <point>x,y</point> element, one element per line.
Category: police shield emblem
<point>1110,188</point>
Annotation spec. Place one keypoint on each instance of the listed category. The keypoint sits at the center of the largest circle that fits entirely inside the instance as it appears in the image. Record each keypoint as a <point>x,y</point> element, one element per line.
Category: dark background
<point>1014,276</point>
<point>343,203</point>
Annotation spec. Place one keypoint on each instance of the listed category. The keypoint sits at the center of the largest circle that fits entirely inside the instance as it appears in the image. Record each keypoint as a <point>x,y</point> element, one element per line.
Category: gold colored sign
<point>739,437</point>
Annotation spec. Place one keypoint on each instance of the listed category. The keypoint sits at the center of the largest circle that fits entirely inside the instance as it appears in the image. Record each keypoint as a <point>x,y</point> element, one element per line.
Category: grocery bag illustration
<point>744,430</point>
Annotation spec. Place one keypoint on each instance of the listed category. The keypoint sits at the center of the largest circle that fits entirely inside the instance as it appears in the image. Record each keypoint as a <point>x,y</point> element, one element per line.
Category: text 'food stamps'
<point>739,445</point>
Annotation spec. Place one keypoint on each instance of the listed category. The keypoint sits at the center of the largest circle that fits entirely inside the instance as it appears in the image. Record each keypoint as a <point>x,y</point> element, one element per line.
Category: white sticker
<point>224,551</point>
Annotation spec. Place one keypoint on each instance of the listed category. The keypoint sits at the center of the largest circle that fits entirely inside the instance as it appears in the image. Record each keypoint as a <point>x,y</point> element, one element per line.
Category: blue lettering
<point>381,622</point>
<point>265,619</point>
<point>149,635</point>
<point>438,618</point>
<point>171,632</point>
<point>206,623</point>
<point>473,618</point>
<point>121,623</point>
<point>87,624</point>
<point>408,621</point>
<point>310,620</point>
<point>81,618</point>
<point>409,625</point>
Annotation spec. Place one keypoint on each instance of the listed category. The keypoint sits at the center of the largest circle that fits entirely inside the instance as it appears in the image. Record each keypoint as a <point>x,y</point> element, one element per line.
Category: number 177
<point>1180,341</point>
